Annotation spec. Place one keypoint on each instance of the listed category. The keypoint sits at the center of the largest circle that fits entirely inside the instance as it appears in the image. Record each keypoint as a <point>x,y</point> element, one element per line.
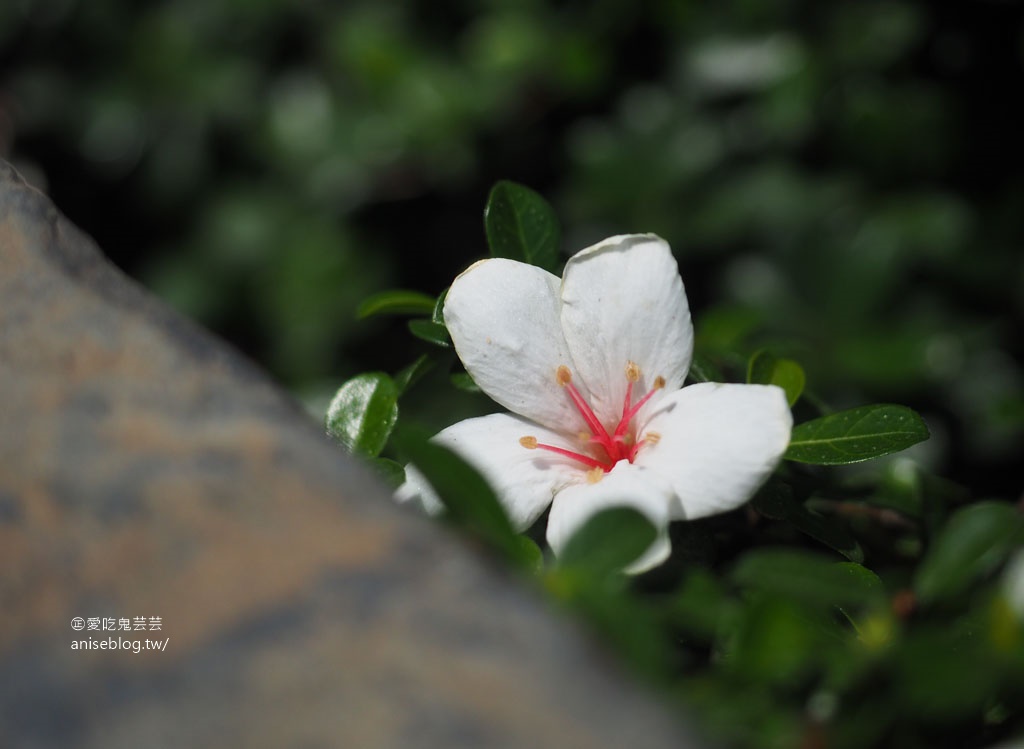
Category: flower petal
<point>718,443</point>
<point>524,480</point>
<point>503,319</point>
<point>625,486</point>
<point>622,301</point>
<point>418,492</point>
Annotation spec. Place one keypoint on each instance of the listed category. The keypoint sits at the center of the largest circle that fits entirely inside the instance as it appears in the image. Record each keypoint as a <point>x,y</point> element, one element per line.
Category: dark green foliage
<point>431,332</point>
<point>809,578</point>
<point>608,542</point>
<point>775,500</point>
<point>521,225</point>
<point>973,543</point>
<point>396,302</point>
<point>766,369</point>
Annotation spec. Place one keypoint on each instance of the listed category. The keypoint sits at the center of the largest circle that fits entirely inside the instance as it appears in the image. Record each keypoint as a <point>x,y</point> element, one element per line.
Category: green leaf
<point>363,412</point>
<point>529,554</point>
<point>808,577</point>
<point>395,302</point>
<point>775,500</point>
<point>410,375</point>
<point>974,541</point>
<point>431,332</point>
<point>765,368</point>
<point>469,500</point>
<point>701,606</point>
<point>775,643</point>
<point>703,370</point>
<point>521,225</point>
<point>855,435</point>
<point>437,311</point>
<point>464,382</point>
<point>390,471</point>
<point>828,531</point>
<point>947,670</point>
<point>608,542</point>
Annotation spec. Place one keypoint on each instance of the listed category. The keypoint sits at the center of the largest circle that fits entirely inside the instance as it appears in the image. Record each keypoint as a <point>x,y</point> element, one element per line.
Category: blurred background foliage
<point>842,182</point>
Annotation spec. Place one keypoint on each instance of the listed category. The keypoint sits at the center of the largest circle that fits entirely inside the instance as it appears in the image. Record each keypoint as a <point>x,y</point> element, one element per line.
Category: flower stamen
<point>628,411</point>
<point>531,443</point>
<point>621,445</point>
<point>564,378</point>
<point>651,438</point>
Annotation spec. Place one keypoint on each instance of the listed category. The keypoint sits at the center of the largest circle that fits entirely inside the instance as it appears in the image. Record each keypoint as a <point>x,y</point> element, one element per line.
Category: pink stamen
<point>629,412</point>
<point>531,443</point>
<point>600,434</point>
<point>618,446</point>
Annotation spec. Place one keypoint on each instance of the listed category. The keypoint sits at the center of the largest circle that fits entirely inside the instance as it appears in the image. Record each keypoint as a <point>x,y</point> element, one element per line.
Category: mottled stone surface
<point>148,471</point>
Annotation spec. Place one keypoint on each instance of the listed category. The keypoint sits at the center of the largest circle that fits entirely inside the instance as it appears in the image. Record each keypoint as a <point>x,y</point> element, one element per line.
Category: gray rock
<point>146,470</point>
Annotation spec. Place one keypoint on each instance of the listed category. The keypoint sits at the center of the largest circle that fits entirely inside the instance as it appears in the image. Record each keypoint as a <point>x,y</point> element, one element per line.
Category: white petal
<point>524,480</point>
<point>503,319</point>
<point>718,443</point>
<point>625,486</point>
<point>622,301</point>
<point>417,492</point>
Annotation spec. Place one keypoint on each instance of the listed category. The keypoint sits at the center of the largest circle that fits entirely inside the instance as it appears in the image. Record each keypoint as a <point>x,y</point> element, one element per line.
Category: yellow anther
<point>659,382</point>
<point>563,375</point>
<point>628,439</point>
<point>632,371</point>
<point>530,443</point>
<point>585,436</point>
<point>652,438</point>
<point>594,475</point>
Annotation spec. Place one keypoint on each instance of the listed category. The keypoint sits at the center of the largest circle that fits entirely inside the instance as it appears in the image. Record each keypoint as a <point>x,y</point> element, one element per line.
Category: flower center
<point>609,446</point>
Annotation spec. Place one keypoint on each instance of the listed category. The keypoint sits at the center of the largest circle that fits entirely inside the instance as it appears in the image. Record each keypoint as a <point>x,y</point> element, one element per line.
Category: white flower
<point>592,368</point>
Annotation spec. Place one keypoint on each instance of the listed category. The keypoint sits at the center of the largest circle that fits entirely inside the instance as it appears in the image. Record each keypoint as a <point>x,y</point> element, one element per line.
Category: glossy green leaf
<point>363,412</point>
<point>974,541</point>
<point>396,302</point>
<point>609,541</point>
<point>764,368</point>
<point>521,225</point>
<point>855,435</point>
<point>431,332</point>
<point>410,375</point>
<point>466,495</point>
<point>808,577</point>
